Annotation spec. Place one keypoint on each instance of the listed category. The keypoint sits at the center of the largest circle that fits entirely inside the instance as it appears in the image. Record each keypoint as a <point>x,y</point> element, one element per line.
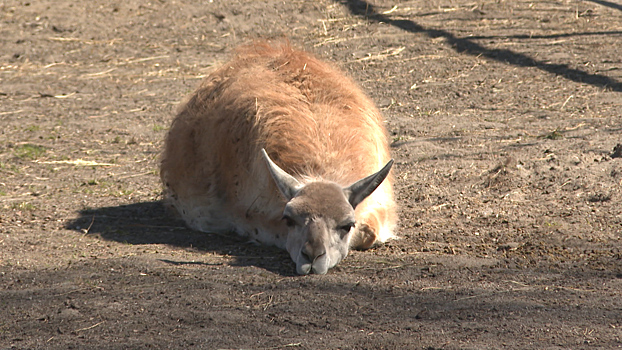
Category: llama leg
<point>365,237</point>
<point>375,226</point>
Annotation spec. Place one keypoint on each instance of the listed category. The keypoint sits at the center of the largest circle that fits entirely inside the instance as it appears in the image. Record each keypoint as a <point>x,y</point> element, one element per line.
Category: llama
<point>282,148</point>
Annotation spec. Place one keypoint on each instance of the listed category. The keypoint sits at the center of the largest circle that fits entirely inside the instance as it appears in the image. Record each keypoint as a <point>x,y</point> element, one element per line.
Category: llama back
<point>314,122</point>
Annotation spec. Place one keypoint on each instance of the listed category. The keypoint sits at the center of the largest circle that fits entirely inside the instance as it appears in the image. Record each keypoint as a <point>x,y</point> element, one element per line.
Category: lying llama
<point>279,147</point>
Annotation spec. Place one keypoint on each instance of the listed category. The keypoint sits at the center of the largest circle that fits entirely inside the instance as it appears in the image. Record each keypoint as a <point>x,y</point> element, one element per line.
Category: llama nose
<point>310,253</point>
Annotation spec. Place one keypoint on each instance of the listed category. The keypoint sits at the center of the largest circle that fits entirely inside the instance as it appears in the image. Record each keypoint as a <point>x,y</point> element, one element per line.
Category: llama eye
<point>289,221</point>
<point>347,227</point>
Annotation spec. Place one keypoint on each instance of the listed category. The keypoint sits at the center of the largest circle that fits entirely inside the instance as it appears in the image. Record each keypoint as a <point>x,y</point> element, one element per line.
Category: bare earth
<point>504,118</point>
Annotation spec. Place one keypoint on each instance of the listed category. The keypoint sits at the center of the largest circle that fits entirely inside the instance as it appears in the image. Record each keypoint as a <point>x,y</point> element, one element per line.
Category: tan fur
<point>315,123</point>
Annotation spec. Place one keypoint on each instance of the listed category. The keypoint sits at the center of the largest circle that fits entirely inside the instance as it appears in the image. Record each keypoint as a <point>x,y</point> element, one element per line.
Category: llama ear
<point>364,187</point>
<point>287,184</point>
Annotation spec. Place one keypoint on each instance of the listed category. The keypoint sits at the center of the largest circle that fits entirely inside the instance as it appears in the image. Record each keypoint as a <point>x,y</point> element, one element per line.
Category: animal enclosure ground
<point>504,118</point>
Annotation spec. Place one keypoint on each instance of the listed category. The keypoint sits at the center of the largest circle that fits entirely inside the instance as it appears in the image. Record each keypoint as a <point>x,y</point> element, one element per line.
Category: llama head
<point>320,216</point>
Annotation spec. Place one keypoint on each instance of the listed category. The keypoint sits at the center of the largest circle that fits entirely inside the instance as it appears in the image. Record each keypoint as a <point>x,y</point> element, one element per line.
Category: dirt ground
<point>504,118</point>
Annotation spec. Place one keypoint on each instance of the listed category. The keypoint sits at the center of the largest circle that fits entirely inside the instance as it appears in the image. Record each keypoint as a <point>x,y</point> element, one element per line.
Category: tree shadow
<point>548,36</point>
<point>362,8</point>
<point>151,223</point>
<point>607,4</point>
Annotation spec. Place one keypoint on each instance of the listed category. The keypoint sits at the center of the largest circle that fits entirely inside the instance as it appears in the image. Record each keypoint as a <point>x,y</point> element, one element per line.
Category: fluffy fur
<point>314,122</point>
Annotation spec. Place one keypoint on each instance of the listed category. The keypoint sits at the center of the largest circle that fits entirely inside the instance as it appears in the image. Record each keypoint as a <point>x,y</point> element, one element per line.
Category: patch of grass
<point>23,206</point>
<point>554,135</point>
<point>9,167</point>
<point>103,187</point>
<point>121,193</point>
<point>158,128</point>
<point>117,139</point>
<point>87,191</point>
<point>87,187</point>
<point>33,128</point>
<point>29,151</point>
<point>95,186</point>
<point>398,138</point>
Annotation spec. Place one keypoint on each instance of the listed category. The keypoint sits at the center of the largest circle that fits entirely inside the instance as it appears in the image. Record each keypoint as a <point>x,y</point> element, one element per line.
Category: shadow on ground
<point>468,46</point>
<point>151,223</point>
